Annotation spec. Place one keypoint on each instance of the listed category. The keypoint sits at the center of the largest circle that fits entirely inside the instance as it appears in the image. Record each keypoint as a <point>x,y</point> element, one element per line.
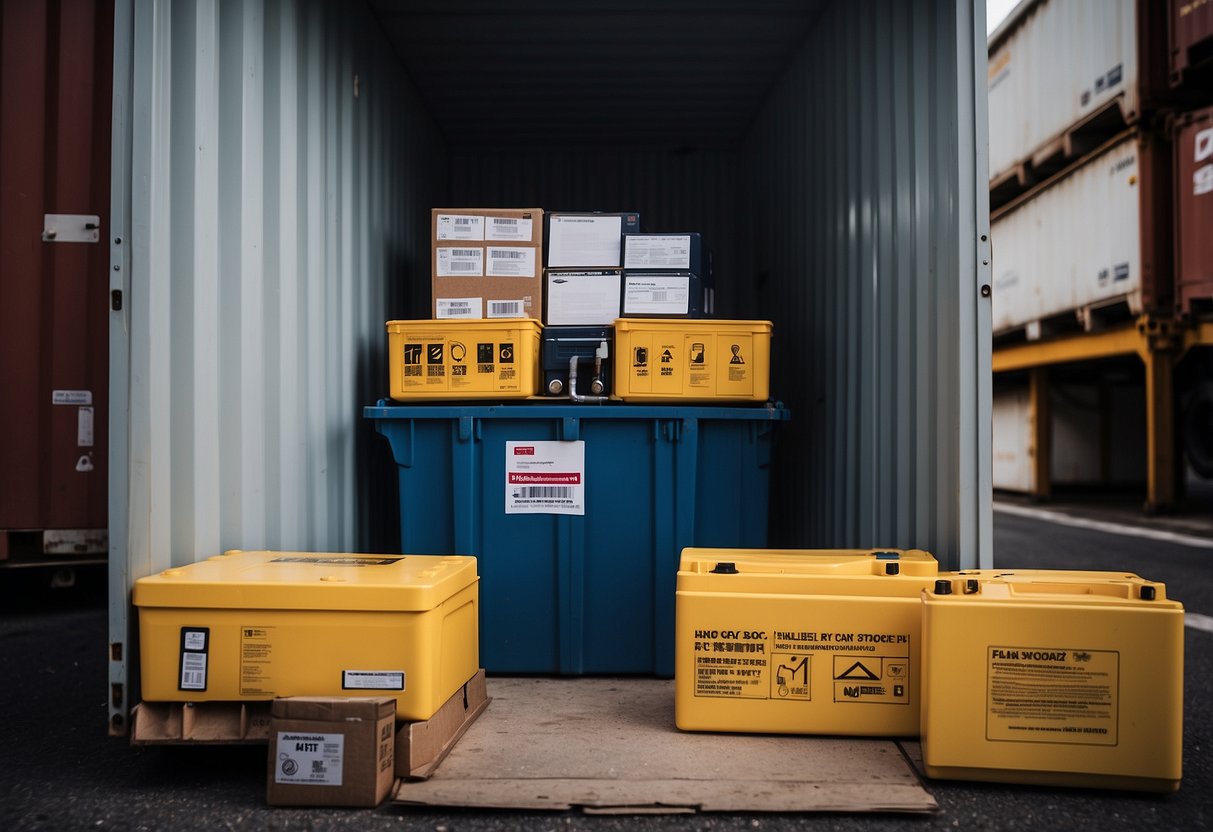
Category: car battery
<point>800,641</point>
<point>261,625</point>
<point>1053,678</point>
<point>592,346</point>
<point>663,294</point>
<point>475,359</point>
<point>679,360</point>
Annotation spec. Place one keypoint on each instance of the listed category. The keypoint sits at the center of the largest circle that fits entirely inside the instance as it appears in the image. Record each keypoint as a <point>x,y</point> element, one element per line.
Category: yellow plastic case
<point>1050,677</point>
<point>477,359</point>
<point>680,360</point>
<point>261,625</point>
<point>800,641</point>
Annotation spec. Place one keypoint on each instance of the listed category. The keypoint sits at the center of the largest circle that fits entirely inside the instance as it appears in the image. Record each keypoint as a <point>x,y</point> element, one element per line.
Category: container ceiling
<point>682,73</point>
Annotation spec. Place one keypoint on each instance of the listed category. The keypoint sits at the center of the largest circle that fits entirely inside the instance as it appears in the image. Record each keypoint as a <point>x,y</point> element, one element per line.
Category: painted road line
<point>1198,622</point>
<point>1104,526</point>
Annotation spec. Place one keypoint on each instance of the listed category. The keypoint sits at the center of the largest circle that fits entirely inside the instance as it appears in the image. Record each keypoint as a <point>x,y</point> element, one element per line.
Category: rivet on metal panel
<point>985,290</point>
<point>118,241</point>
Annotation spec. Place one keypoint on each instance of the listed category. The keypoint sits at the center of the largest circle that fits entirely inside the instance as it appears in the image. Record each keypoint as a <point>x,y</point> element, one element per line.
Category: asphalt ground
<point>59,770</point>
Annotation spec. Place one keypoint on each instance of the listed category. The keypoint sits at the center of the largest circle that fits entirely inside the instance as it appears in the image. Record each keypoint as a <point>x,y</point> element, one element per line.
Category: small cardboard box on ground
<point>422,746</point>
<point>331,751</point>
<point>487,262</point>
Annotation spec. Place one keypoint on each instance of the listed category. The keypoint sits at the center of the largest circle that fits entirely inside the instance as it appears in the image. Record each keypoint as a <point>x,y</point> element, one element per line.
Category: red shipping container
<point>1194,212</point>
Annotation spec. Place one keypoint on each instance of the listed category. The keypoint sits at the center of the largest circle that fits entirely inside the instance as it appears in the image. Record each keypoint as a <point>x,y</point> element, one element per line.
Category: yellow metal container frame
<point>261,625</point>
<point>679,360</point>
<point>800,641</point>
<point>1050,677</point>
<point>477,359</point>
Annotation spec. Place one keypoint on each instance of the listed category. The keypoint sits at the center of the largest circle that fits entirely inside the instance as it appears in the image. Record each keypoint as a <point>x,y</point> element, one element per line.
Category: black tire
<point>1198,429</point>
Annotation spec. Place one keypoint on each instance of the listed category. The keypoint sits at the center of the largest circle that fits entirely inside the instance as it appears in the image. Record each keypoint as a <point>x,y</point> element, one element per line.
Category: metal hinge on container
<point>71,228</point>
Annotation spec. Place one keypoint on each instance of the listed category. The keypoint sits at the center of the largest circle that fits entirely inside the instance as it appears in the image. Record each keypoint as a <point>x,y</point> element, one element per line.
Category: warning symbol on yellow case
<point>857,671</point>
<point>791,677</point>
<point>736,359</point>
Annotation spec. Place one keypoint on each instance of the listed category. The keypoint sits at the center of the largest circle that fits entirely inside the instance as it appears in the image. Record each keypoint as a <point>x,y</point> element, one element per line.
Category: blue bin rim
<point>388,409</point>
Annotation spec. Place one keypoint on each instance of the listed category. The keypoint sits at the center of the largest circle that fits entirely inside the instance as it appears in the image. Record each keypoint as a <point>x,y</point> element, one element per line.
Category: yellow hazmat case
<point>496,358</point>
<point>800,641</point>
<point>262,625</point>
<point>679,360</point>
<point>1055,678</point>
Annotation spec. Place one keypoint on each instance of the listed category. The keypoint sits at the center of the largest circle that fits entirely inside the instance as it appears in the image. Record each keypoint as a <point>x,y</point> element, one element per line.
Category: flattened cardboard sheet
<point>610,746</point>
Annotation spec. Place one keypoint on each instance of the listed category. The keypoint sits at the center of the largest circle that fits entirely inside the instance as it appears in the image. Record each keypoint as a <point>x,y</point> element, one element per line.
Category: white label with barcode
<point>372,679</point>
<point>513,261</point>
<point>459,308</point>
<point>543,477</point>
<point>460,227</point>
<point>193,671</point>
<point>657,251</point>
<point>508,228</point>
<point>460,262</point>
<point>506,309</point>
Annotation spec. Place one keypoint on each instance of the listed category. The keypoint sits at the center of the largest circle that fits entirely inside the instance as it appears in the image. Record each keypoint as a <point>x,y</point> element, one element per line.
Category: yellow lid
<point>428,326</point>
<point>807,571</point>
<point>309,580</point>
<point>720,325</point>
<point>1049,587</point>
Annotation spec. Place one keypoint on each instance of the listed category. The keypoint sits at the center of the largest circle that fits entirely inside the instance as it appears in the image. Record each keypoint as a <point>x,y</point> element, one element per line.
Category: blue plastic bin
<point>581,594</point>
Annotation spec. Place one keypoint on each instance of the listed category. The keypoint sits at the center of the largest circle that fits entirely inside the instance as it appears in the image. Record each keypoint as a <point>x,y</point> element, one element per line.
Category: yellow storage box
<point>680,360</point>
<point>483,359</point>
<point>800,642</point>
<point>1057,678</point>
<point>261,625</point>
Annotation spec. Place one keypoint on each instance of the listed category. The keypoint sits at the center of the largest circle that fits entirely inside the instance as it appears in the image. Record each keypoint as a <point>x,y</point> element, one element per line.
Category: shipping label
<point>460,227</point>
<point>654,251</point>
<point>309,759</point>
<point>585,241</point>
<point>515,308</point>
<point>195,652</point>
<point>77,397</point>
<point>582,299</point>
<point>657,295</point>
<point>864,666</point>
<point>1052,695</point>
<point>460,262</point>
<point>517,229</point>
<point>510,261</point>
<point>459,308</point>
<point>545,477</point>
<point>372,679</point>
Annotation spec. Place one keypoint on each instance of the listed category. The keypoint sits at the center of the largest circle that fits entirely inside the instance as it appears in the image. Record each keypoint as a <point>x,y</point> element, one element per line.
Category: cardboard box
<point>588,240</point>
<point>581,297</point>
<point>487,262</point>
<point>422,746</point>
<point>200,723</point>
<point>336,751</point>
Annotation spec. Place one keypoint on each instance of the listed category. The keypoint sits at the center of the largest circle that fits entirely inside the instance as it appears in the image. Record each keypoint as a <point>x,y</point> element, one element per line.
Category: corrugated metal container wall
<point>1074,247</point>
<point>54,159</point>
<point>1191,38</point>
<point>273,179</point>
<point>1060,62</point>
<point>865,177</point>
<point>1194,212</point>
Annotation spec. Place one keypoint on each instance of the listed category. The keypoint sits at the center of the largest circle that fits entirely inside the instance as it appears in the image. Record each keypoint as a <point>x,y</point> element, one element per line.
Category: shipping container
<point>1089,247</point>
<point>1193,144</point>
<point>1064,75</point>
<point>56,62</point>
<point>275,166</point>
<point>1190,31</point>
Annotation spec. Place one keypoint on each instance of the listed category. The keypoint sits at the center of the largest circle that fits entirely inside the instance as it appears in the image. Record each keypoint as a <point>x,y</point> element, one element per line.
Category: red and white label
<point>545,477</point>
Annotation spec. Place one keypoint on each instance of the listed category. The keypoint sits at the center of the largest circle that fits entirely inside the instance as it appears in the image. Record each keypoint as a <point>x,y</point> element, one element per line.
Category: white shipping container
<point>1053,66</point>
<point>1073,246</point>
<point>1096,436</point>
<point>274,168</point>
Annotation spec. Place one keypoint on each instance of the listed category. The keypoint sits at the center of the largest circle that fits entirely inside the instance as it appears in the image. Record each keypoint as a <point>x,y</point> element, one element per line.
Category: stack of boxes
<point>495,271</point>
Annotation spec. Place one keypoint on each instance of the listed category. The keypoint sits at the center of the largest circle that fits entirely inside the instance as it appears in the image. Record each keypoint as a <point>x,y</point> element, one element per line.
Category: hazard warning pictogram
<point>858,671</point>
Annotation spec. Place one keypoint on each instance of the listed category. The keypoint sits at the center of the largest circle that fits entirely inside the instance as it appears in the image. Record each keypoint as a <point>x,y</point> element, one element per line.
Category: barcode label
<point>545,492</point>
<point>515,261</point>
<point>460,227</point>
<point>509,228</point>
<point>503,221</point>
<point>463,220</point>
<point>458,308</point>
<point>460,262</point>
<point>509,253</point>
<point>660,297</point>
<point>505,309</point>
<point>193,671</point>
<point>460,266</point>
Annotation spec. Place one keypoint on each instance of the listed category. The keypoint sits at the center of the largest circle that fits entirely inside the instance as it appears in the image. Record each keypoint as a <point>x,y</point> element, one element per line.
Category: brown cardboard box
<point>487,262</point>
<point>421,746</point>
<point>331,751</point>
<point>200,723</point>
